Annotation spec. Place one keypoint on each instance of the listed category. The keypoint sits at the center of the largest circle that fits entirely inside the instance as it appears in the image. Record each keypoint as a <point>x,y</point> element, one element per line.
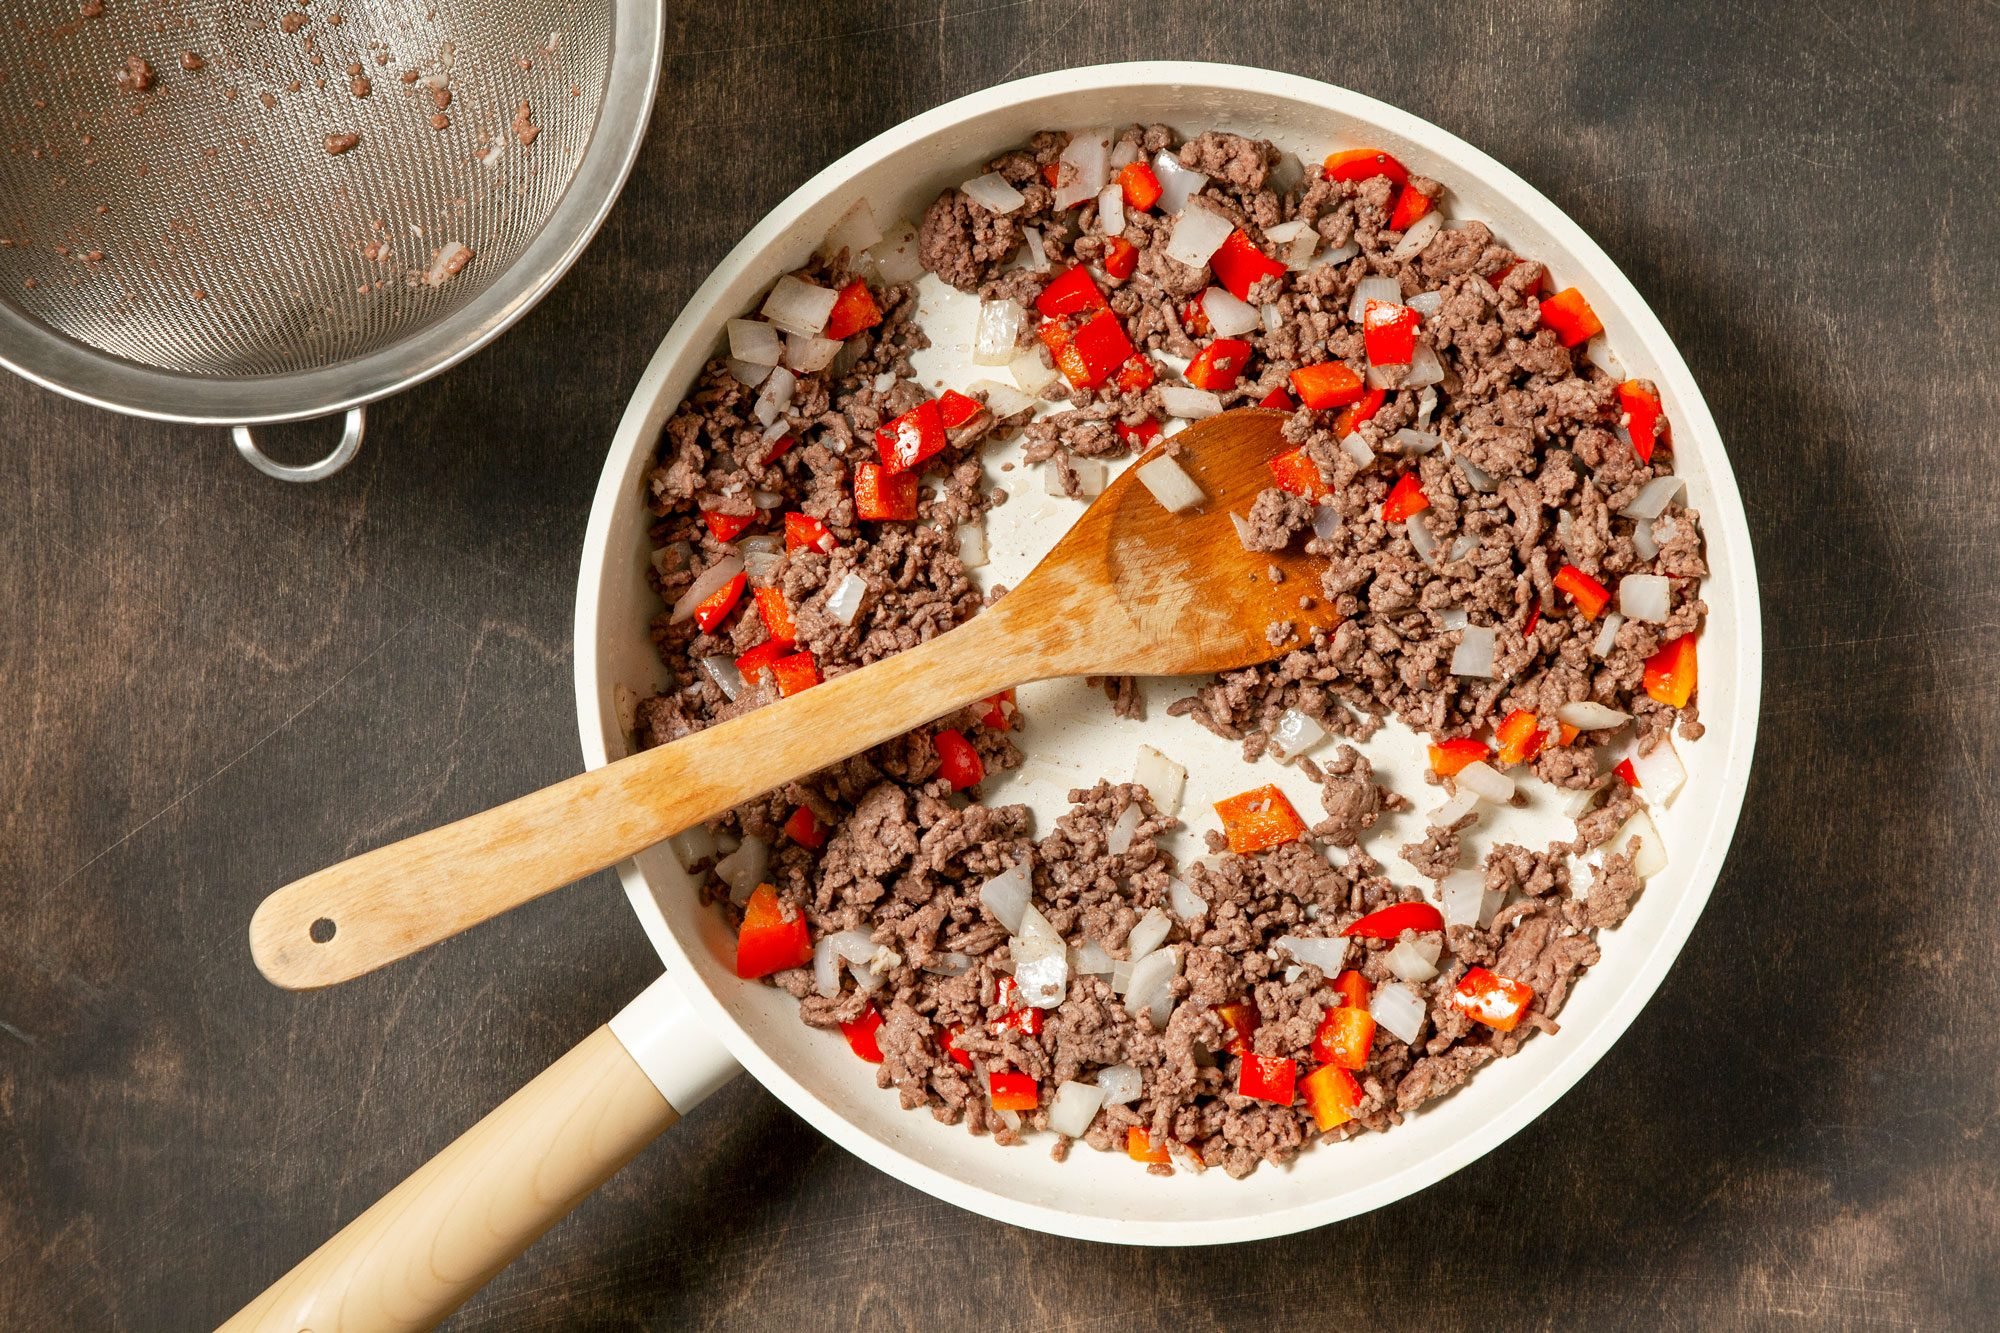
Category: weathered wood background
<point>210,682</point>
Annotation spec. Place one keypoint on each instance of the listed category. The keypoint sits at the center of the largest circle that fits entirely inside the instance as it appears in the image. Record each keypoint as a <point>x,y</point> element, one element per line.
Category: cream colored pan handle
<point>426,1245</point>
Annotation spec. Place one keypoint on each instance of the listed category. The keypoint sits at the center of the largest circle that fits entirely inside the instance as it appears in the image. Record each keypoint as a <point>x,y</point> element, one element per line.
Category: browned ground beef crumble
<point>906,856</point>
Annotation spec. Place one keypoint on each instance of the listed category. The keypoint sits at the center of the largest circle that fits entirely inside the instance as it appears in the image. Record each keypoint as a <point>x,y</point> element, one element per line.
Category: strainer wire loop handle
<point>343,453</point>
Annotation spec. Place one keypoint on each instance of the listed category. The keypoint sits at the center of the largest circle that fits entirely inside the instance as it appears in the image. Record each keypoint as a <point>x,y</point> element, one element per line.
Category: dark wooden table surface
<point>210,682</point>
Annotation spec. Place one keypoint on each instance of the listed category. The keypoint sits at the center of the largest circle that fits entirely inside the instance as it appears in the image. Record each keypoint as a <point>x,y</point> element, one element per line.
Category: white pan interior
<point>1071,736</point>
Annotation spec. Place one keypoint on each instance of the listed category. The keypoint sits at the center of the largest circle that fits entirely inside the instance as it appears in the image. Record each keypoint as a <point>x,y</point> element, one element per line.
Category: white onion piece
<point>1576,800</point>
<point>949,965</point>
<point>1299,254</point>
<point>755,341</point>
<point>1379,377</point>
<point>1002,400</point>
<point>885,381</point>
<point>1041,961</point>
<point>1118,840</point>
<point>1427,403</point>
<point>749,374</point>
<point>1489,782</point>
<point>1464,546</point>
<point>1091,474</point>
<point>1477,478</point>
<point>1163,779</point>
<point>1111,210</point>
<point>1607,636</point>
<point>1091,959</point>
<point>1357,449</point>
<point>1149,934</point>
<point>777,394</point>
<point>727,678</point>
<point>1464,802</point>
<point>1373,289</point>
<point>895,255</point>
<point>1643,544</point>
<point>1646,597</point>
<point>1326,521</point>
<point>1399,1010</point>
<point>844,602</point>
<point>1031,370</point>
<point>972,545</point>
<point>1452,617</point>
<point>1170,484</point>
<point>1418,236</point>
<point>1006,895</point>
<point>768,543</point>
<point>1425,368</point>
<point>1329,955</point>
<point>854,233</point>
<point>1660,772</point>
<point>1286,232</point>
<point>1274,318</point>
<point>1085,161</point>
<point>772,434</point>
<point>1423,539</point>
<point>1654,497</point>
<point>1465,901</point>
<point>1651,857</point>
<point>1187,904</point>
<point>1244,532</point>
<point>1122,1084</point>
<point>1474,654</point>
<point>1296,733</point>
<point>704,585</point>
<point>1074,1107</point>
<point>1341,254</point>
<point>1197,236</point>
<point>810,352</point>
<point>1600,354</point>
<point>1408,964</point>
<point>743,869</point>
<point>1227,315</point>
<point>1125,152</point>
<point>693,845</point>
<point>997,337</point>
<point>1416,443</point>
<point>1121,976</point>
<point>1426,303</point>
<point>1588,715</point>
<point>1038,257</point>
<point>1151,992</point>
<point>761,566</point>
<point>452,256</point>
<point>1178,184</point>
<point>992,193</point>
<point>852,947</point>
<point>799,307</point>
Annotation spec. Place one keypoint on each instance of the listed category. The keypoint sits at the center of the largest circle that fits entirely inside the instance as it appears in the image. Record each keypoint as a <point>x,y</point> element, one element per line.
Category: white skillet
<point>428,1244</point>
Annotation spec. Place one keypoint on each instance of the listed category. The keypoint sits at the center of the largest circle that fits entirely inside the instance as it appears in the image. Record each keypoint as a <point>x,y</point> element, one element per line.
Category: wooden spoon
<point>1130,590</point>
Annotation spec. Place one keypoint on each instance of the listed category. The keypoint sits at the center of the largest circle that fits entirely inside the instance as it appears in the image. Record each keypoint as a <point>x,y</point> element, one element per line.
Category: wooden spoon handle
<point>391,902</point>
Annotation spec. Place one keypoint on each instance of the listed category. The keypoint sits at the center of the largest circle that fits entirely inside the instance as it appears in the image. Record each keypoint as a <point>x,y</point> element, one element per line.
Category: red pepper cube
<point>780,449</point>
<point>1140,186</point>
<point>726,527</point>
<point>1345,1037</point>
<point>1411,205</point>
<point>1121,258</point>
<point>955,408</point>
<point>1012,1091</point>
<point>1239,265</point>
<point>1406,499</point>
<point>958,1057</point>
<point>1139,1147</point>
<point>805,829</point>
<point>1332,1095</point>
<point>881,495</point>
<point>1259,819</point>
<point>1296,472</point>
<point>1387,923</point>
<point>1326,385</point>
<point>803,532</point>
<point>1494,1000</point>
<point>1670,673</point>
<point>1571,317</point>
<point>1521,737</point>
<point>1239,1022</point>
<point>1643,416</point>
<point>1360,164</point>
<point>1350,420</point>
<point>1277,400</point>
<point>1069,293</point>
<point>958,763</point>
<point>1141,436</point>
<point>1268,1078</point>
<point>1450,756</point>
<point>1389,332</point>
<point>761,657</point>
<point>1353,989</point>
<point>772,938</point>
<point>1052,174</point>
<point>715,608</point>
<point>1627,773</point>
<point>999,712</point>
<point>853,310</point>
<point>1091,352</point>
<point>911,437</point>
<point>1565,733</point>
<point>861,1032</point>
<point>1135,376</point>
<point>1219,365</point>
<point>1194,318</point>
<point>775,614</point>
<point>1589,595</point>
<point>795,673</point>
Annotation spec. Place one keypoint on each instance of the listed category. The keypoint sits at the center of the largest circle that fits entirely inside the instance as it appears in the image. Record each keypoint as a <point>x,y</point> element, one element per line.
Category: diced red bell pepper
<point>1239,265</point>
<point>1499,275</point>
<point>1350,420</point>
<point>1297,473</point>
<point>1353,989</point>
<point>760,657</point>
<point>1360,164</point>
<point>777,616</point>
<point>1017,1017</point>
<point>803,532</point>
<point>798,672</point>
<point>1450,756</point>
<point>1279,400</point>
<point>1565,733</point>
<point>1571,317</point>
<point>1386,923</point>
<point>1411,205</point>
<point>1012,1091</point>
<point>1052,173</point>
<point>1643,416</point>
<point>1194,318</point>
<point>715,608</point>
<point>1389,332</point>
<point>1219,365</point>
<point>773,937</point>
<point>1269,1078</point>
<point>880,494</point>
<point>1521,737</point>
<point>1141,436</point>
<point>1670,672</point>
<point>911,437</point>
<point>1534,619</point>
<point>1090,353</point>
<point>1140,185</point>
<point>805,829</point>
<point>726,527</point>
<point>1259,819</point>
<point>1486,997</point>
<point>1327,384</point>
<point>1332,1094</point>
<point>958,1057</point>
<point>1627,772</point>
<point>1239,1021</point>
<point>861,1032</point>
<point>780,449</point>
<point>1405,500</point>
<point>853,310</point>
<point>1121,258</point>
<point>1136,375</point>
<point>999,714</point>
<point>1139,1147</point>
<point>958,763</point>
<point>955,408</point>
<point>1068,293</point>
<point>1589,595</point>
<point>1345,1037</point>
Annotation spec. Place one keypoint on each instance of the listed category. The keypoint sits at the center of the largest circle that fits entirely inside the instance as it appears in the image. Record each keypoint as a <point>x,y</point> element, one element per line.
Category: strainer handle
<point>343,453</point>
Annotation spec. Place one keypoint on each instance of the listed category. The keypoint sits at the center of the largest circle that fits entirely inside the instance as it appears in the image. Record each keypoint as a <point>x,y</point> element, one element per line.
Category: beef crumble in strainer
<point>239,214</point>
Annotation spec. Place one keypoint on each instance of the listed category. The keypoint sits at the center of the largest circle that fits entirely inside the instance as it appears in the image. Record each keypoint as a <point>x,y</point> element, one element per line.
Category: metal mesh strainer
<point>178,238</point>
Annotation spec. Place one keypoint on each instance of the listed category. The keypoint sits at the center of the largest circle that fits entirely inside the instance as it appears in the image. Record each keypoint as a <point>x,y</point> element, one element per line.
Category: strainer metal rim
<point>55,361</point>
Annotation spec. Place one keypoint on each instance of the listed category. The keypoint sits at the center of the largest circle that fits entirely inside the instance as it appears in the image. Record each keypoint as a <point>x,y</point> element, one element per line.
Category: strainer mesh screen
<point>202,226</point>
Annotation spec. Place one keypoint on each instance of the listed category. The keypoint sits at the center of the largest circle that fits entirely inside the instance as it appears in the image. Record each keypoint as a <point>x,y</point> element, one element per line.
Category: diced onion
<point>844,602</point>
<point>1476,477</point>
<point>1149,934</point>
<point>1041,961</point>
<point>1031,370</point>
<point>1178,184</point>
<point>1651,857</point>
<point>1474,654</point>
<point>1244,532</point>
<point>992,193</point>
<point>1426,303</point>
<point>1423,539</point>
<point>693,845</point>
<point>1197,236</point>
<point>1151,991</point>
<point>1383,376</point>
<point>1588,715</point>
<point>809,353</point>
<point>723,672</point>
<point>972,545</point>
<point>1373,289</point>
<point>749,374</point>
<point>1163,779</point>
<point>1296,733</point>
<point>1038,258</point>
<point>1227,315</point>
<point>1418,236</point>
<point>1659,771</point>
<point>777,395</point>
<point>1464,546</point>
<point>704,585</point>
<point>1654,497</point>
<point>949,965</point>
<point>1576,800</point>
<point>1086,158</point>
<point>1643,543</point>
<point>854,233</point>
<point>1489,782</point>
<point>1274,318</point>
<point>1357,449</point>
<point>1187,904</point>
<point>755,341</point>
<point>1399,1010</point>
<point>1286,232</point>
<point>743,869</point>
<point>1191,404</point>
<point>1091,474</point>
<point>1329,955</point>
<point>1425,368</point>
<point>1003,400</point>
<point>852,947</point>
<point>1111,210</point>
<point>1122,1084</point>
<point>1416,443</point>
<point>1465,901</point>
<point>1464,802</point>
<point>1119,840</point>
<point>1409,963</point>
<point>1074,1107</point>
<point>885,381</point>
<point>996,339</point>
<point>451,257</point>
<point>1326,521</point>
<point>1452,617</point>
<point>1645,597</point>
<point>799,307</point>
<point>1170,484</point>
<point>895,255</point>
<point>1125,152</point>
<point>1607,636</point>
<point>1121,976</point>
<point>762,566</point>
<point>1427,403</point>
<point>1091,959</point>
<point>1299,254</point>
<point>1006,895</point>
<point>1341,254</point>
<point>1600,354</point>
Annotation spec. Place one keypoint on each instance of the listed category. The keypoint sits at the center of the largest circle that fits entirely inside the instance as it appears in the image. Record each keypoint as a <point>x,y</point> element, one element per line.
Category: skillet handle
<point>429,1243</point>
